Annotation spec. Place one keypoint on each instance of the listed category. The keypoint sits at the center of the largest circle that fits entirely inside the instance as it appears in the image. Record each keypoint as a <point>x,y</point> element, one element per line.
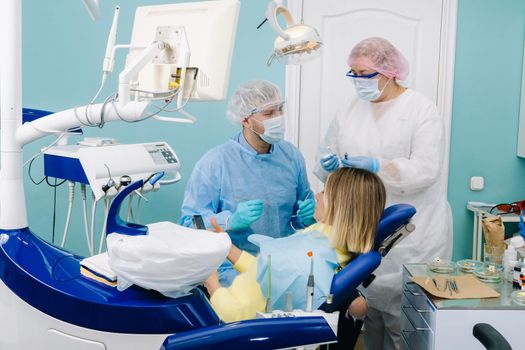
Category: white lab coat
<point>406,134</point>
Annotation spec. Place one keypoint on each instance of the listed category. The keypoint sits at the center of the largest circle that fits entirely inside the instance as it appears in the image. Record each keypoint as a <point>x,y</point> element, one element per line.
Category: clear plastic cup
<point>494,255</point>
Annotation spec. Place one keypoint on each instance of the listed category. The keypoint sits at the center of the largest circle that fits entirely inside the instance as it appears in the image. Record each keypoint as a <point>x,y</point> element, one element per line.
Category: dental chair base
<point>24,327</point>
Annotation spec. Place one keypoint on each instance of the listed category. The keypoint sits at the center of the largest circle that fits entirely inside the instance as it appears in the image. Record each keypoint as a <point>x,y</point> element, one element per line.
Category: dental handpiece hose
<point>310,285</point>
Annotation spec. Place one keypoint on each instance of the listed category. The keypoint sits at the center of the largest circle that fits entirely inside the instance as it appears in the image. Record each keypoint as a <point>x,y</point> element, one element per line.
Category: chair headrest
<point>393,218</point>
<point>359,269</point>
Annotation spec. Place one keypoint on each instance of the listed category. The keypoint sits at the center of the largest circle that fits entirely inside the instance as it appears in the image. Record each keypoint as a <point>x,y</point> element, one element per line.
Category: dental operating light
<point>92,7</point>
<point>294,44</point>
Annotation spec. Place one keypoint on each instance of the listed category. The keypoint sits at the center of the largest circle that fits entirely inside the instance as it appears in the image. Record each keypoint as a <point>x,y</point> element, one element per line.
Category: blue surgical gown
<point>232,173</point>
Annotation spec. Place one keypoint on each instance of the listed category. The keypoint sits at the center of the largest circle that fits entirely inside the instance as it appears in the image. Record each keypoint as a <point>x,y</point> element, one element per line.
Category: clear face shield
<point>271,110</point>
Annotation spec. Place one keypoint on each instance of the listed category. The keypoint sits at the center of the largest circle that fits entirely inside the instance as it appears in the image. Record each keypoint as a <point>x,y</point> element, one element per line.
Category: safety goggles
<point>508,208</point>
<point>351,74</point>
<point>272,108</point>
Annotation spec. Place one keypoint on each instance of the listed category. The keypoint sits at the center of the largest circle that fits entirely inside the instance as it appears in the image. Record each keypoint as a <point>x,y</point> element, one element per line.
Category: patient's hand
<point>235,252</point>
<point>216,226</point>
<point>358,308</point>
<point>212,283</point>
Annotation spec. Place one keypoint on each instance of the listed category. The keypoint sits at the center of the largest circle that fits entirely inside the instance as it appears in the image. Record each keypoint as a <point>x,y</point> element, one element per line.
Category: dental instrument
<point>288,302</point>
<point>310,285</point>
<point>435,283</point>
<point>269,308</point>
<point>305,198</point>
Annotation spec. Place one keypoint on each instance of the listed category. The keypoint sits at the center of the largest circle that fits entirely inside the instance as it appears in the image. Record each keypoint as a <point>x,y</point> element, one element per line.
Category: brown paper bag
<point>469,287</point>
<point>494,231</point>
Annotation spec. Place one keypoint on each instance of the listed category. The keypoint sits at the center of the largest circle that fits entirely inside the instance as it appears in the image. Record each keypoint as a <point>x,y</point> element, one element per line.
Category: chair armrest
<point>258,334</point>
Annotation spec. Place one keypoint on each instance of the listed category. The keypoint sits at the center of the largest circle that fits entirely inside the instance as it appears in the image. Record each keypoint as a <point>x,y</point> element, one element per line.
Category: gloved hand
<point>246,214</point>
<point>330,163</point>
<point>306,211</point>
<point>362,162</point>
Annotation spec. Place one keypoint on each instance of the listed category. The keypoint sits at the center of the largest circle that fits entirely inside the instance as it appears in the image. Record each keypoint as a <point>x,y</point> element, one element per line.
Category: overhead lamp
<point>92,7</point>
<point>295,44</point>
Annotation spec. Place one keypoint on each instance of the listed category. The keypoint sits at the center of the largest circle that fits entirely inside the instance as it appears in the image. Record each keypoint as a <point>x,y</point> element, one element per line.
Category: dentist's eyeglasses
<point>351,74</point>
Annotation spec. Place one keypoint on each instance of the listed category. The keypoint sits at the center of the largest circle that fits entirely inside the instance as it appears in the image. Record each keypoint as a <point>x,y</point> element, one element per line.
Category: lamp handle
<point>272,11</point>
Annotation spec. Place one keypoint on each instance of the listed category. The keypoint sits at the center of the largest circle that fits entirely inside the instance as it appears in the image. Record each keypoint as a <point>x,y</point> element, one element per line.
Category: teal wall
<point>489,52</point>
<point>63,52</point>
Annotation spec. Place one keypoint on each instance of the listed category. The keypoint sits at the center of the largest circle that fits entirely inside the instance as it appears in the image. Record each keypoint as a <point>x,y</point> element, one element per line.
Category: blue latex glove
<point>362,162</point>
<point>246,214</point>
<point>521,225</point>
<point>306,211</point>
<point>330,163</point>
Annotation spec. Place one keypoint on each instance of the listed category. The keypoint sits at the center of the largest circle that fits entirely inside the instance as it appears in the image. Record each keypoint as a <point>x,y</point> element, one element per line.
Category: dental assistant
<point>255,182</point>
<point>397,133</point>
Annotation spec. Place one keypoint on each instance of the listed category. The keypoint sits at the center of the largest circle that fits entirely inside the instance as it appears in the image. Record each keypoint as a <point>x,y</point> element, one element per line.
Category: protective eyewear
<point>351,74</point>
<point>508,208</point>
<point>271,108</point>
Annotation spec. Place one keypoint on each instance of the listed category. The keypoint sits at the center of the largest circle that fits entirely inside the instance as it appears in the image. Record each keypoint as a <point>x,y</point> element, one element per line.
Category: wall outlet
<point>477,183</point>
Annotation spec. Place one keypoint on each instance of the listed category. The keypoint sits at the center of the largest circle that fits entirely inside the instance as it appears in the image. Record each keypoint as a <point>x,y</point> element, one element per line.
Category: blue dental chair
<point>275,333</point>
<point>38,272</point>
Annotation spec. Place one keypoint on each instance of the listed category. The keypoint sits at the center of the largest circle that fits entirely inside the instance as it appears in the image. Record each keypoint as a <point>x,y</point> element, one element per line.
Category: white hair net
<point>252,97</point>
<point>380,55</point>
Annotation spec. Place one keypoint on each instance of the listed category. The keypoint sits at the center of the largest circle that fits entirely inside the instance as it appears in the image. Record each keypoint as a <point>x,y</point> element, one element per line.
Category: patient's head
<point>352,204</point>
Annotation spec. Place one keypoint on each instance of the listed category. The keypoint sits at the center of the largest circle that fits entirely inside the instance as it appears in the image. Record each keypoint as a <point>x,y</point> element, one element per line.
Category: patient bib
<point>290,267</point>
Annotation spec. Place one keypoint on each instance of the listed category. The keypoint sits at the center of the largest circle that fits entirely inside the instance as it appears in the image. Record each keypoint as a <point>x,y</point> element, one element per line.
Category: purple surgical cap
<point>380,55</point>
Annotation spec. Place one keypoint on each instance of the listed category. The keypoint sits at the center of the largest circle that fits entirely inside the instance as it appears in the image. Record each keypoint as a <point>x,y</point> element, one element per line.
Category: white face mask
<point>273,129</point>
<point>368,89</point>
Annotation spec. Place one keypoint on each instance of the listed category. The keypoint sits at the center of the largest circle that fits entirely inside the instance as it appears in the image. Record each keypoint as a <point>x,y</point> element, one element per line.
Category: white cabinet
<point>443,324</point>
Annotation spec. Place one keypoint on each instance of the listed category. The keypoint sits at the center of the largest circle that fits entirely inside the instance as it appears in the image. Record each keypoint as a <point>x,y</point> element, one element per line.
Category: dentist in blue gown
<point>255,182</point>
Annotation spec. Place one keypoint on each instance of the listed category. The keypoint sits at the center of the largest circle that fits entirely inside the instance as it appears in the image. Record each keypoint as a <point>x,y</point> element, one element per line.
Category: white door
<point>424,31</point>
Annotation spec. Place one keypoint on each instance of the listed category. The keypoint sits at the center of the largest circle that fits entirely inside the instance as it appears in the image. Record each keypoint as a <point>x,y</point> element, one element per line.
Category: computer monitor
<point>210,28</point>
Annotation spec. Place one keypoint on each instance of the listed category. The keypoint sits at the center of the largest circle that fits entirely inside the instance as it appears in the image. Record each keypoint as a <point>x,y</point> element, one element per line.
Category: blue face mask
<point>368,89</point>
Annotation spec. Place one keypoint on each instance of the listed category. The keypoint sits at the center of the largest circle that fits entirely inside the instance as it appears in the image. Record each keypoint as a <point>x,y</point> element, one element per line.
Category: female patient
<point>347,214</point>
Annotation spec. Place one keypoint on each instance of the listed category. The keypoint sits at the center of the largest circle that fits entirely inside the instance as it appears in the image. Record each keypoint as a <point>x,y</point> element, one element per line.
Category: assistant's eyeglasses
<point>508,208</point>
<point>351,74</point>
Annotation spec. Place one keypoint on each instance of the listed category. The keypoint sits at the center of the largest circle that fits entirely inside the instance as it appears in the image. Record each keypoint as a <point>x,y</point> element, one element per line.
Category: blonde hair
<point>354,200</point>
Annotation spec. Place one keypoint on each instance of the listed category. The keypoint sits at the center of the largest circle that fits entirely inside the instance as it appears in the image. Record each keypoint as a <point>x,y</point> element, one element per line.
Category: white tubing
<point>69,210</point>
<point>93,214</point>
<point>103,233</point>
<point>137,219</point>
<point>86,225</point>
<point>130,209</point>
<point>76,117</point>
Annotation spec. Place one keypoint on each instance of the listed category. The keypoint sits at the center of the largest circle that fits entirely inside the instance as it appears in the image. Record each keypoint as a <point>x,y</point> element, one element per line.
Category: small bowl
<point>489,274</point>
<point>518,296</point>
<point>469,265</point>
<point>442,266</point>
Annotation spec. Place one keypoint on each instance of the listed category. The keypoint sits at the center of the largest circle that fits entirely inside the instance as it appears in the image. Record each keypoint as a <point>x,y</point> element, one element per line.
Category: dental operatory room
<point>262,174</point>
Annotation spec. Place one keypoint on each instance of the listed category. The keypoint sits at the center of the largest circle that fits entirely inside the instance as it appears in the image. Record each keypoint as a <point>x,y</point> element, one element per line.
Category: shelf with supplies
<point>481,211</point>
